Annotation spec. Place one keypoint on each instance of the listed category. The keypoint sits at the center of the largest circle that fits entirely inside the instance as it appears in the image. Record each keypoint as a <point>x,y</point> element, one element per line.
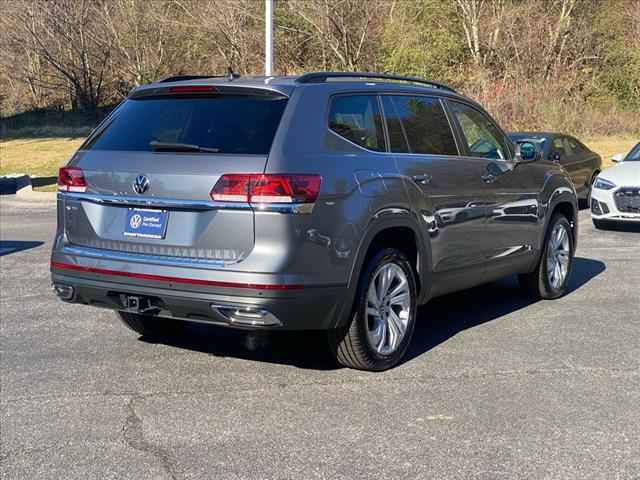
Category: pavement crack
<point>133,434</point>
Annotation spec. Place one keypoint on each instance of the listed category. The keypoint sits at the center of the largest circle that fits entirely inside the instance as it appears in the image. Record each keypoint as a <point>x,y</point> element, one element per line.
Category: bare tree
<point>62,34</point>
<point>140,38</point>
<point>343,29</point>
<point>481,21</point>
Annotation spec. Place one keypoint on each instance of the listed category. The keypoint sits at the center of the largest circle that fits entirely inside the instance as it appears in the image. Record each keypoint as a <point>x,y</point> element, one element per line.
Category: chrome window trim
<point>154,202</point>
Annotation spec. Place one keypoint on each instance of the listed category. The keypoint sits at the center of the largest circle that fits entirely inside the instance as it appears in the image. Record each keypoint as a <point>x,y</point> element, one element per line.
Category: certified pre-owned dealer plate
<point>146,223</point>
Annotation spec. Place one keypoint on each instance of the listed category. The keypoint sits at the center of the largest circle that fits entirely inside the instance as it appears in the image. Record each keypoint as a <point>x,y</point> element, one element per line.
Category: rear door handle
<point>423,179</point>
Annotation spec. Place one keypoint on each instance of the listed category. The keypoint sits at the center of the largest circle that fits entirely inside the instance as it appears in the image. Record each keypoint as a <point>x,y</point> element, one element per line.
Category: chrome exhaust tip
<point>64,292</point>
<point>249,317</point>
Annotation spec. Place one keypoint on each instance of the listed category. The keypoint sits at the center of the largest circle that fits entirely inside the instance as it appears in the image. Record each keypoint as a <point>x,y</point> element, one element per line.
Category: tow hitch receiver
<point>135,303</point>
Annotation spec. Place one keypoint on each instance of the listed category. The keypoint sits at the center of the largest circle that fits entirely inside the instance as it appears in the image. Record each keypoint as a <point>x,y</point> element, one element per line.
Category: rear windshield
<point>225,124</point>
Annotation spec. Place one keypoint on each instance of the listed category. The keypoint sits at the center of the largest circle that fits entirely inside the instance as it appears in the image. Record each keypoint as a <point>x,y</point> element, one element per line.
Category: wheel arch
<point>564,201</point>
<point>397,228</point>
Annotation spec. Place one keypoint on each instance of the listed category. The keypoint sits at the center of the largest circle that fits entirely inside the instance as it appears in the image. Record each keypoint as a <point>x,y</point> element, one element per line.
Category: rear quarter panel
<point>362,192</point>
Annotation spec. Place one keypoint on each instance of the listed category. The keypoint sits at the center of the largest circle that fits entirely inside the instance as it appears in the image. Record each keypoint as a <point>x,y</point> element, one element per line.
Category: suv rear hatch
<point>150,169</point>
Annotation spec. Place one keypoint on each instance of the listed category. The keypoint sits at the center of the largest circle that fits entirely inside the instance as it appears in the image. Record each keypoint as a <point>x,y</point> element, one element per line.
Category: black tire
<point>351,345</point>
<point>151,326</point>
<point>537,283</point>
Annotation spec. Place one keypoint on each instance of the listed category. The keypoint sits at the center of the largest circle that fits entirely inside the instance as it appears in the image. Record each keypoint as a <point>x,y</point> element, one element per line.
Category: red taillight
<point>71,179</point>
<point>193,89</point>
<point>233,187</point>
<point>266,188</point>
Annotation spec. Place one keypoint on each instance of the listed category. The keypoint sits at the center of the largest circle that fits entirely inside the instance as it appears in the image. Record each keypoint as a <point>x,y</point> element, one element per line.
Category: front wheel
<point>384,315</point>
<point>550,278</point>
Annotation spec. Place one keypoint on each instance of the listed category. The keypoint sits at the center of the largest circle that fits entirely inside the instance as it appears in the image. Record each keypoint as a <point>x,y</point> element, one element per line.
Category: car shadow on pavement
<point>7,247</point>
<point>307,349</point>
<point>446,316</point>
<point>439,320</point>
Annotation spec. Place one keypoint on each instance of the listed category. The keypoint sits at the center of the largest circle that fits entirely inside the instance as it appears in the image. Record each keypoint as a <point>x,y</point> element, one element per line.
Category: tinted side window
<point>357,118</point>
<point>567,146</point>
<point>397,135</point>
<point>560,150</point>
<point>425,125</point>
<point>483,138</point>
<point>559,147</point>
<point>576,146</point>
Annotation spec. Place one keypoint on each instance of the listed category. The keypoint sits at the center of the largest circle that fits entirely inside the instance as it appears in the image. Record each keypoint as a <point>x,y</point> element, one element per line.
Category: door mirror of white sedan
<point>618,157</point>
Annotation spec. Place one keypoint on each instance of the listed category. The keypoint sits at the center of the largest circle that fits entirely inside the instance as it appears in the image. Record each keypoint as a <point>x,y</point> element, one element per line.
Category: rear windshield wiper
<point>180,147</point>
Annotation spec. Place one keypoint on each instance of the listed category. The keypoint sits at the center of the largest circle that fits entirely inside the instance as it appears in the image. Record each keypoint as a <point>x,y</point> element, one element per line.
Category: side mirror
<point>618,157</point>
<point>526,152</point>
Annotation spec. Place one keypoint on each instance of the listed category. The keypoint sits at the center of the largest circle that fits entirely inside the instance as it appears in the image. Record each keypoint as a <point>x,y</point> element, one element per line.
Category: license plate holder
<point>146,223</point>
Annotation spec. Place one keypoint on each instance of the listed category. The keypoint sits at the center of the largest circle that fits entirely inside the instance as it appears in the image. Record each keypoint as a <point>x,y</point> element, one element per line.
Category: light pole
<point>268,37</point>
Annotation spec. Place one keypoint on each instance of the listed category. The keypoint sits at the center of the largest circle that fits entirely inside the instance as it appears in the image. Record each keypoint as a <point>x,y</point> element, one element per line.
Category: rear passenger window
<point>357,118</point>
<point>559,148</point>
<point>397,135</point>
<point>423,124</point>
<point>576,146</point>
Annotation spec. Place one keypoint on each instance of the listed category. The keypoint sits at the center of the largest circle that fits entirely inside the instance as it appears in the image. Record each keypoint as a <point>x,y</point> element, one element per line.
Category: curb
<point>22,187</point>
<point>11,185</point>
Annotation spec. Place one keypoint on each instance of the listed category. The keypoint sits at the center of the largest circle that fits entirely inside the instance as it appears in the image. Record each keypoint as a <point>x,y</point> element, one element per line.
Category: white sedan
<point>615,196</point>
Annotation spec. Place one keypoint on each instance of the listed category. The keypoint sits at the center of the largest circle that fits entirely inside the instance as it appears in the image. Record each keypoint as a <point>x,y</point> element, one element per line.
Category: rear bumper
<point>313,308</point>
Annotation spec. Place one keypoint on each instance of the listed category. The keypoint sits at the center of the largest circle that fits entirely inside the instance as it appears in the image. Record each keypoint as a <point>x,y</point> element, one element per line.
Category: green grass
<point>36,156</point>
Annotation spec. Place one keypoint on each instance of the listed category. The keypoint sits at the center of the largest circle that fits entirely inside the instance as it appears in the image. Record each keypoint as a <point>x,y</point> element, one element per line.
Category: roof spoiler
<point>231,75</point>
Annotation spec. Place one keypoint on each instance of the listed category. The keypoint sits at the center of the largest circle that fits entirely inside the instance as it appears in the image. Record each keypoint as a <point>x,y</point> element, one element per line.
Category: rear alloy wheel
<point>384,317</point>
<point>151,326</point>
<point>550,278</point>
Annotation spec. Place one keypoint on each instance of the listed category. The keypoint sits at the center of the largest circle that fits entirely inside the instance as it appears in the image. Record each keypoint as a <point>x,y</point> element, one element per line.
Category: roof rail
<point>318,77</point>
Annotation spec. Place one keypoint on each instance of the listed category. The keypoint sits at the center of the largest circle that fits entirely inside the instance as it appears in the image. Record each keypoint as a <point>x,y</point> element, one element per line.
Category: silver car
<point>329,201</point>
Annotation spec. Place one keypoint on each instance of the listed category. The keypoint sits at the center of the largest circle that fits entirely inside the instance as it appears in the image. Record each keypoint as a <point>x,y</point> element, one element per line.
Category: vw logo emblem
<point>141,184</point>
<point>135,221</point>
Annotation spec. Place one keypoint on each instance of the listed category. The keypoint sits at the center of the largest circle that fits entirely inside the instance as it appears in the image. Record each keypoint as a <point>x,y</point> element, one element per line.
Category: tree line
<point>534,64</point>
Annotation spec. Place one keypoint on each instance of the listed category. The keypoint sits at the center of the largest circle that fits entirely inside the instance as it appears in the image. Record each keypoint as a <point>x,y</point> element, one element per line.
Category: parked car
<point>583,164</point>
<point>328,201</point>
<point>616,191</point>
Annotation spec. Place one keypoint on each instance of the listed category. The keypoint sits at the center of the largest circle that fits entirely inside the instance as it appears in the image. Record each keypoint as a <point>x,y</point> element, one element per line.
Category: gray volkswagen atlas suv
<point>328,201</point>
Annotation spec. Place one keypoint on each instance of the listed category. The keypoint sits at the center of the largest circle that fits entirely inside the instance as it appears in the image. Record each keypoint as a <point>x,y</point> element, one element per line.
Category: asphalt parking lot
<point>494,387</point>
